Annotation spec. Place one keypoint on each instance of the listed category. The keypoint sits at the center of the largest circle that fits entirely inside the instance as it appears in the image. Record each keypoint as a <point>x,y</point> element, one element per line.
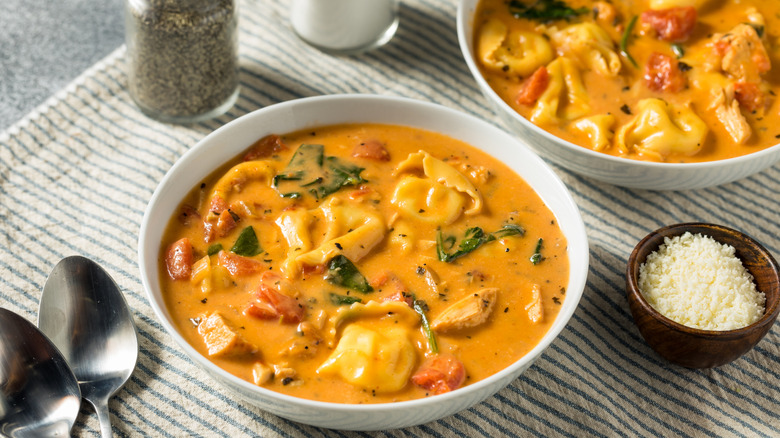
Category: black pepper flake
<point>420,270</point>
<point>683,66</point>
<point>287,380</point>
<point>506,309</point>
<point>204,300</point>
<point>338,245</point>
<point>625,109</point>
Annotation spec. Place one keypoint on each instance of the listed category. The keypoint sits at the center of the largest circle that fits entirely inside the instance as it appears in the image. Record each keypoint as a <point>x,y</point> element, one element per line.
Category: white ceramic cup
<point>345,27</point>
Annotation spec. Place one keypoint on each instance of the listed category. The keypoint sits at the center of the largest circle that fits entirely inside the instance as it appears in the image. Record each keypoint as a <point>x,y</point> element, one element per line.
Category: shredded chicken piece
<point>741,54</point>
<point>261,373</point>
<point>534,308</point>
<point>470,311</point>
<point>283,371</point>
<point>727,110</point>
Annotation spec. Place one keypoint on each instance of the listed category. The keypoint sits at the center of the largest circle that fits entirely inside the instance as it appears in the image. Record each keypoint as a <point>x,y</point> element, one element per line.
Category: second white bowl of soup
<point>661,95</point>
<point>350,261</point>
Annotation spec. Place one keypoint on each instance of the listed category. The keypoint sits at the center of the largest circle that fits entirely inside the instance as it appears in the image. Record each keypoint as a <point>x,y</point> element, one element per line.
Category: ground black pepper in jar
<point>182,57</point>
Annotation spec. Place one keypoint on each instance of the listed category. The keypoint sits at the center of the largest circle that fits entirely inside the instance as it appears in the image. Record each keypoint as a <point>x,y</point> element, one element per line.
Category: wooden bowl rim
<point>771,310</point>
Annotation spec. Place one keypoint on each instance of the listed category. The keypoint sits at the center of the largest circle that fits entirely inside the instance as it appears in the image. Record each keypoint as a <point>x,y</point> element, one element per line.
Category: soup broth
<point>363,263</point>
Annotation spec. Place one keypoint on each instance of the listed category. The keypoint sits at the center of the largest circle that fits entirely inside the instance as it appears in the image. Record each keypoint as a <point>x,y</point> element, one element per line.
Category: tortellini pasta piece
<point>666,4</point>
<point>437,198</point>
<point>597,128</point>
<point>242,174</point>
<point>351,229</point>
<point>565,96</point>
<point>373,359</point>
<point>588,43</point>
<point>658,129</point>
<point>519,52</point>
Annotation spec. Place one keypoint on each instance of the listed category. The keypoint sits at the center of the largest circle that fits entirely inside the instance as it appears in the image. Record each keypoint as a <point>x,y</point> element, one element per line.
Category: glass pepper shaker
<point>182,57</point>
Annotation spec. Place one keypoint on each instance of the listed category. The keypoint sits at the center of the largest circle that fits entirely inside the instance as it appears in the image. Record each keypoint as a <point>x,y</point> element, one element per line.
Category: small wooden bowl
<point>695,348</point>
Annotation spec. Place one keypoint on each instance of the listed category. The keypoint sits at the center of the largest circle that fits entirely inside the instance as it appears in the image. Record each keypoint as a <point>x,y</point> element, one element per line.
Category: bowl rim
<point>465,39</point>
<point>148,251</point>
<point>632,275</point>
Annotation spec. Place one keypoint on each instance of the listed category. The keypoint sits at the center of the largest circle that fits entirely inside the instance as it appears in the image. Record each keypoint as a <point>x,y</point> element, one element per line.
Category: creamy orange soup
<point>656,80</point>
<point>362,264</point>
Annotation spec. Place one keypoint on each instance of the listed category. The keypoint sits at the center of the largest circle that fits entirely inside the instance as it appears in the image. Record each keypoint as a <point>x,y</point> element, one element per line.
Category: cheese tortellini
<point>438,197</point>
<point>597,128</point>
<point>519,52</point>
<point>658,129</point>
<point>565,96</point>
<point>351,229</point>
<point>590,45</point>
<point>235,179</point>
<point>666,4</point>
<point>374,351</point>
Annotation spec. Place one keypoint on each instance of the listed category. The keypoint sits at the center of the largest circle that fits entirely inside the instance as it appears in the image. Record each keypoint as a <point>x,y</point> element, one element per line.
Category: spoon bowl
<point>39,395</point>
<point>84,313</point>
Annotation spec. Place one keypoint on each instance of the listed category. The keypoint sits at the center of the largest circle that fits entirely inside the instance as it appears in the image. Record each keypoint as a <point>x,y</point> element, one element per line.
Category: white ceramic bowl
<point>231,139</point>
<point>613,170</point>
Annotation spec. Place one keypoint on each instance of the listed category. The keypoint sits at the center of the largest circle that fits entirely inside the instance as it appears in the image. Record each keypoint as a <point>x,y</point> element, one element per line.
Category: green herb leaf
<point>678,50</point>
<point>509,230</point>
<point>544,10</point>
<point>343,300</point>
<point>473,238</point>
<point>247,244</point>
<point>310,170</point>
<point>624,41</point>
<point>419,307</point>
<point>537,255</point>
<point>342,272</point>
<point>214,249</point>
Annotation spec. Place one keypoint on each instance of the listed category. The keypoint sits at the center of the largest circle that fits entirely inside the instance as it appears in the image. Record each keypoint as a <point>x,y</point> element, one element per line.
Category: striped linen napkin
<point>76,175</point>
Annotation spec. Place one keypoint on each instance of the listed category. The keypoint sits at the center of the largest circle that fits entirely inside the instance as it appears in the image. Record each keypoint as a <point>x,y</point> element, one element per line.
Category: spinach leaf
<point>343,300</point>
<point>247,244</point>
<point>342,272</point>
<point>420,307</point>
<point>214,249</point>
<point>310,171</point>
<point>624,41</point>
<point>544,10</point>
<point>537,255</point>
<point>473,238</point>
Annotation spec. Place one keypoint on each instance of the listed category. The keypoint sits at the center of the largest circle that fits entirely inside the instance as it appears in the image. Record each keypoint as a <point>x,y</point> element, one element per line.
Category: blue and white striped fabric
<point>75,177</point>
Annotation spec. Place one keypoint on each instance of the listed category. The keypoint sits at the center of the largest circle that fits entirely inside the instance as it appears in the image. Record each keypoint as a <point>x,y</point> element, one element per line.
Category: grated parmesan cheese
<point>700,283</point>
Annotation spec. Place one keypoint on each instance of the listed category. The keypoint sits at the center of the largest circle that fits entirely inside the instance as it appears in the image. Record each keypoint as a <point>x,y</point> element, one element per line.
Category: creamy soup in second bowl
<point>675,81</point>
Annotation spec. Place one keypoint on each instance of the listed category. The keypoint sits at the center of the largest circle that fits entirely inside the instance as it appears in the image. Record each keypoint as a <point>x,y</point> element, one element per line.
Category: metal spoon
<point>86,316</point>
<point>39,395</point>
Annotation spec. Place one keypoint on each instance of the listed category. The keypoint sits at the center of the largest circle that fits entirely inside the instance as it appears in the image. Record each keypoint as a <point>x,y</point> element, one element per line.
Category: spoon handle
<point>101,407</point>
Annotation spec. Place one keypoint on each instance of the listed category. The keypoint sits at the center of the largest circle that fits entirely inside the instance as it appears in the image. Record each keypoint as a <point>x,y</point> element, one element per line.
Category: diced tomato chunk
<point>225,223</point>
<point>360,192</point>
<point>371,149</point>
<point>534,86</point>
<point>217,205</point>
<point>439,374</point>
<point>749,96</point>
<point>265,147</point>
<point>662,73</point>
<point>673,24</point>
<point>271,303</point>
<point>399,296</point>
<point>237,265</point>
<point>178,259</point>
